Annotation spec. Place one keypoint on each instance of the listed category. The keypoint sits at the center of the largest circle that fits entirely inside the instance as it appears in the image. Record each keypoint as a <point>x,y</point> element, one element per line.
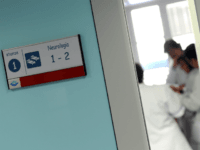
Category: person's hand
<point>175,89</point>
<point>181,87</point>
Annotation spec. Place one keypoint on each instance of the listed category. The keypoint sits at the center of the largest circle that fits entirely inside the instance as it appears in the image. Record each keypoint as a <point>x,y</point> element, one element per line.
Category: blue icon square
<point>33,60</point>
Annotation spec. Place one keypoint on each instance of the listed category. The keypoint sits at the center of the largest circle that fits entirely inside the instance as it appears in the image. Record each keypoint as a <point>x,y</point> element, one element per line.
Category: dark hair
<point>140,72</point>
<point>185,60</point>
<point>171,44</point>
<point>190,52</point>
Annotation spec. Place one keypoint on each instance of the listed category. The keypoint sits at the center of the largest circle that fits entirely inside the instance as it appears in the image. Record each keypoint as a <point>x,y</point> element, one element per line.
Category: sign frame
<point>20,47</point>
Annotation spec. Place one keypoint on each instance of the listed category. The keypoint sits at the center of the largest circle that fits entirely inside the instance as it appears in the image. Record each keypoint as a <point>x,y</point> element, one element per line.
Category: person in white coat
<point>191,95</point>
<point>176,74</point>
<point>161,105</point>
<point>185,120</point>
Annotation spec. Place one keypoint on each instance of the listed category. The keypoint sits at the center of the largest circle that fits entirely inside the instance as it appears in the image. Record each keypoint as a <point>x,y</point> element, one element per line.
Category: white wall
<point>194,6</point>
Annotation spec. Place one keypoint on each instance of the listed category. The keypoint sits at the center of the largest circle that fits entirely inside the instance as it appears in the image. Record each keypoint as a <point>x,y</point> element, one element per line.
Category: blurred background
<point>150,23</point>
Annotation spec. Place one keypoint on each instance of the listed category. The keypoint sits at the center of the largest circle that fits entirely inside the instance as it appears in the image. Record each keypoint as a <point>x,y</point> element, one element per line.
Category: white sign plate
<point>23,63</point>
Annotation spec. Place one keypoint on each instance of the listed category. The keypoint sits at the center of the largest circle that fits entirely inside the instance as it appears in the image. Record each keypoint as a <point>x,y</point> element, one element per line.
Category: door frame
<point>120,74</point>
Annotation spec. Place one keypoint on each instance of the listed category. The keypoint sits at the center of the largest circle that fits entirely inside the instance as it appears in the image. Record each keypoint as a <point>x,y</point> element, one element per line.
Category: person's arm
<point>191,100</point>
<point>175,107</point>
<point>180,89</point>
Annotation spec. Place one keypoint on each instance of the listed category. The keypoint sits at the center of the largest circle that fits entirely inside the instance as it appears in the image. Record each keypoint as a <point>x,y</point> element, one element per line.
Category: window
<point>180,23</point>
<point>134,2</point>
<point>149,35</point>
<point>185,40</point>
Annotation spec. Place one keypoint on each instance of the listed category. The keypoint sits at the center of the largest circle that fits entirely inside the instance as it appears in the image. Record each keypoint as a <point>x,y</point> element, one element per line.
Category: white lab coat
<point>161,105</point>
<point>177,76</point>
<point>191,100</point>
<point>185,122</point>
<point>189,85</point>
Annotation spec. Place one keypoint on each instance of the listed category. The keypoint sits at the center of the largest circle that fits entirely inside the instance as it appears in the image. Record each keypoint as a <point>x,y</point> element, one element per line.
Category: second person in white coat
<point>176,74</point>
<point>161,105</point>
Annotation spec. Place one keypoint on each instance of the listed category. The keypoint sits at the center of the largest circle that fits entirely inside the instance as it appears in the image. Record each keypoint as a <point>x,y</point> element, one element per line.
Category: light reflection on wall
<point>156,76</point>
<point>133,2</point>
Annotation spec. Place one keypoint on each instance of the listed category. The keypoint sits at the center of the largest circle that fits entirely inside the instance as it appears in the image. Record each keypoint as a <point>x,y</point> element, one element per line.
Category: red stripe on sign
<point>52,76</point>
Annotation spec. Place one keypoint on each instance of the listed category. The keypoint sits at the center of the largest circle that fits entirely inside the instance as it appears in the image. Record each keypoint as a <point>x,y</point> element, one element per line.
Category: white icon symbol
<point>35,58</point>
<point>14,66</point>
<point>30,62</point>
